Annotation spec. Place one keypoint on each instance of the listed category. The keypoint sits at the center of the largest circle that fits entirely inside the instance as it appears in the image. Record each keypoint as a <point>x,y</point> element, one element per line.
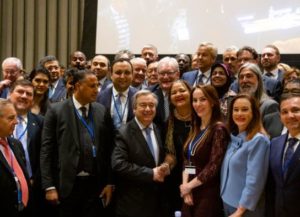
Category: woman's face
<point>201,104</point>
<point>218,77</point>
<point>180,95</point>
<point>242,113</point>
<point>40,83</point>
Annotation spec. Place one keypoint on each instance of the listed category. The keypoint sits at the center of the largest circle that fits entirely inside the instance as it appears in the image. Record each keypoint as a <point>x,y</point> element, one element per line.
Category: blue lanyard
<point>193,146</point>
<point>121,116</point>
<point>89,127</point>
<point>23,133</point>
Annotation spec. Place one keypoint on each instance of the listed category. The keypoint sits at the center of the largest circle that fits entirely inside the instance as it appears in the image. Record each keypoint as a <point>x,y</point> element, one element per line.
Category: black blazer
<point>136,192</point>
<point>8,186</point>
<point>60,149</point>
<point>104,98</point>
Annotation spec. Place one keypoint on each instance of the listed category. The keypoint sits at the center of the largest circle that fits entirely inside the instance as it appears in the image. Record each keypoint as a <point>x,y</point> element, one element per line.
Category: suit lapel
<point>277,153</point>
<point>72,117</point>
<point>295,162</point>
<point>159,143</point>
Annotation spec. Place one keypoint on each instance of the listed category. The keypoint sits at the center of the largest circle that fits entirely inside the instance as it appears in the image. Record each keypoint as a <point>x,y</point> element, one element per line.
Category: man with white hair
<point>11,70</point>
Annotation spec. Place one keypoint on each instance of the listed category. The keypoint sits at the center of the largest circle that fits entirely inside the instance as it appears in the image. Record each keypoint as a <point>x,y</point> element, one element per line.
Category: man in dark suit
<point>207,54</point>
<point>100,65</point>
<point>28,131</point>
<point>14,181</point>
<point>270,57</point>
<point>168,72</point>
<point>57,90</point>
<point>137,161</point>
<point>11,70</point>
<point>117,97</point>
<point>284,178</point>
<point>76,150</point>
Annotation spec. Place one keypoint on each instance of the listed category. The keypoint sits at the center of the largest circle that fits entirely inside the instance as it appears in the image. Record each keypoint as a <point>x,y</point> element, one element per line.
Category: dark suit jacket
<point>104,98</point>
<point>283,192</point>
<point>60,149</point>
<point>60,92</point>
<point>8,188</point>
<point>136,192</point>
<point>4,93</point>
<point>34,130</point>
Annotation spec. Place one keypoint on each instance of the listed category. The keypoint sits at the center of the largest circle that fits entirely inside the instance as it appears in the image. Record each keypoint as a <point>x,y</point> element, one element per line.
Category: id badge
<point>191,170</point>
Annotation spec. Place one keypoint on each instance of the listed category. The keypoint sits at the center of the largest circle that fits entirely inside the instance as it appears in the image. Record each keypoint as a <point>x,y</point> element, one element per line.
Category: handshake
<point>160,172</point>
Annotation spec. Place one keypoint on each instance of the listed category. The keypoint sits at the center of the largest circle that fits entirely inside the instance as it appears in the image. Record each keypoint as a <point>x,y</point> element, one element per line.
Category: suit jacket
<point>160,118</point>
<point>60,151</point>
<point>8,186</point>
<point>136,192</point>
<point>60,92</point>
<point>244,172</point>
<point>104,98</point>
<point>190,77</point>
<point>283,192</point>
<point>34,134</point>
<point>4,93</point>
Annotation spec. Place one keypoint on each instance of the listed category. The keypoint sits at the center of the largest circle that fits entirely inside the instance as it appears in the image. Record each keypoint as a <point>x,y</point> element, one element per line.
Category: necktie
<point>149,141</point>
<point>14,165</point>
<point>269,74</point>
<point>289,153</point>
<point>20,134</point>
<point>84,113</point>
<point>166,106</point>
<point>118,116</point>
<point>200,79</point>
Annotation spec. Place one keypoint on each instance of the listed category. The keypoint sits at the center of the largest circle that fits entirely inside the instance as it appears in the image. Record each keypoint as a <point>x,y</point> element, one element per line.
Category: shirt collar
<point>297,136</point>
<point>102,81</point>
<point>78,105</point>
<point>141,126</point>
<point>115,92</point>
<point>206,73</point>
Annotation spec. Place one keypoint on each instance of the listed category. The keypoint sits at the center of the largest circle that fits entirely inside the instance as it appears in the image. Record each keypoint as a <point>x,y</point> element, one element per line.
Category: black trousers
<point>84,199</point>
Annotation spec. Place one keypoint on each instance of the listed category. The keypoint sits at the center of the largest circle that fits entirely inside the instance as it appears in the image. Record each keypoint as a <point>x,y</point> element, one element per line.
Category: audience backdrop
<point>178,26</point>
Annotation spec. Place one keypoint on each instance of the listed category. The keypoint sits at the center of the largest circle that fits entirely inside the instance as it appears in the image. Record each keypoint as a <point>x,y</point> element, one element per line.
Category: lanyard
<point>89,127</point>
<point>193,144</point>
<point>23,133</point>
<point>121,116</point>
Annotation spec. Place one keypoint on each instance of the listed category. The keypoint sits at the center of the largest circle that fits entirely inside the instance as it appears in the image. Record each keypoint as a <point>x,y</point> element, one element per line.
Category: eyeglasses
<point>293,90</point>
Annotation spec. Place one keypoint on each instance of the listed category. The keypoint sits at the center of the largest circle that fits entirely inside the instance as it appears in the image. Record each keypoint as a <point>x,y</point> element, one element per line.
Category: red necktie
<point>13,163</point>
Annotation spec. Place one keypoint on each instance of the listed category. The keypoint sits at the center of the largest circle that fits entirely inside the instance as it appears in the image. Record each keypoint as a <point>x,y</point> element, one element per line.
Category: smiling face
<point>242,113</point>
<point>41,83</point>
<point>202,105</point>
<point>145,109</point>
<point>167,74</point>
<point>218,77</point>
<point>8,120</point>
<point>180,95</point>
<point>290,115</point>
<point>121,76</point>
<point>22,98</point>
<point>248,81</point>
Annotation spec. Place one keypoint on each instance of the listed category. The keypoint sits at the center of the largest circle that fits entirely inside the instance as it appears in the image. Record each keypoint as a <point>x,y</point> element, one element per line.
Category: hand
<point>188,199</point>
<point>239,212</point>
<point>164,169</point>
<point>158,176</point>
<point>106,194</point>
<point>185,189</point>
<point>52,197</point>
<point>235,214</point>
<point>5,83</point>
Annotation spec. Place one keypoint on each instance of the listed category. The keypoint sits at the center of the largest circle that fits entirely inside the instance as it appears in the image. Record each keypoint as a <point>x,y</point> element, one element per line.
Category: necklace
<point>182,117</point>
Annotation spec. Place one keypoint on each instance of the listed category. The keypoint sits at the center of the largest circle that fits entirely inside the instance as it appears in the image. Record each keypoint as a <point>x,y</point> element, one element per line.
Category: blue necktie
<point>289,153</point>
<point>20,133</point>
<point>117,116</point>
<point>149,141</point>
<point>200,79</point>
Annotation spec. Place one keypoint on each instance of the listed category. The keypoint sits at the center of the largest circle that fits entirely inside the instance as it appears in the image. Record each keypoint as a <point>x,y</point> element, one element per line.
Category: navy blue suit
<point>283,191</point>
<point>190,77</point>
<point>4,93</point>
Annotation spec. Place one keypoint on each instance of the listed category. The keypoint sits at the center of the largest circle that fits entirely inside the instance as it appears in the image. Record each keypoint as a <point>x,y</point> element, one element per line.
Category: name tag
<point>191,170</point>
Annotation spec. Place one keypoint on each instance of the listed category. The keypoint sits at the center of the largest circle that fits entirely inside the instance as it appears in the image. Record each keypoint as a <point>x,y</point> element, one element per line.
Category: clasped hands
<point>160,172</point>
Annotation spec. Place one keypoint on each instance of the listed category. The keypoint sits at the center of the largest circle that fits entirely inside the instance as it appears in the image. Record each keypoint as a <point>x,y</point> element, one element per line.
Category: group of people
<point>147,137</point>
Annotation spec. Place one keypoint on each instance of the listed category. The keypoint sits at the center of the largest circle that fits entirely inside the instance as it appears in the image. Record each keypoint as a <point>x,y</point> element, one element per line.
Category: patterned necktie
<point>149,141</point>
<point>117,116</point>
<point>14,165</point>
<point>200,79</point>
<point>166,107</point>
<point>21,136</point>
<point>289,153</point>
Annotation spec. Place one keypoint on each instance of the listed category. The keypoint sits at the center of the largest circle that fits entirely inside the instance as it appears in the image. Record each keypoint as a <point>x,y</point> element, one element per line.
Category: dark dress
<point>207,160</point>
<point>181,130</point>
